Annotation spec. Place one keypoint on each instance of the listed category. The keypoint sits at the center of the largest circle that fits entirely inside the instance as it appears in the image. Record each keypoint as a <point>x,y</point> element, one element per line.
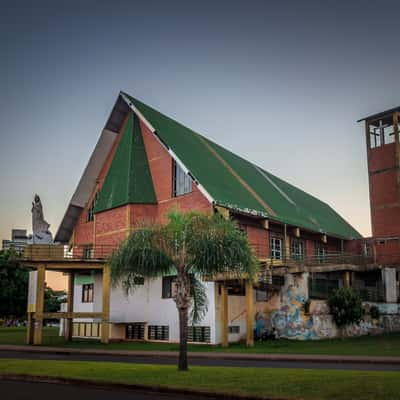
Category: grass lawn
<point>385,345</point>
<point>268,382</point>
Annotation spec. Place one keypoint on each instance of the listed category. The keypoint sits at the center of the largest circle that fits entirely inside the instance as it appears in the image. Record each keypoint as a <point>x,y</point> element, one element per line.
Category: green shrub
<point>374,312</point>
<point>346,306</point>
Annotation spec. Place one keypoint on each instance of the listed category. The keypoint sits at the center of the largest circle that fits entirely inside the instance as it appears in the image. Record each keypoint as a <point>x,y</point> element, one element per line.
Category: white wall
<point>145,304</point>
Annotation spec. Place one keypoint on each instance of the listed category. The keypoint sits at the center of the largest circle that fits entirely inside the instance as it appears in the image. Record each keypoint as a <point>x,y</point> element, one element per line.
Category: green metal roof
<point>128,180</point>
<point>238,184</point>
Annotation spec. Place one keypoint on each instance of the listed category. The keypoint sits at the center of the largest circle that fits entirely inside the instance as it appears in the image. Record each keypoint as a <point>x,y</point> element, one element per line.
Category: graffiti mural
<point>288,318</point>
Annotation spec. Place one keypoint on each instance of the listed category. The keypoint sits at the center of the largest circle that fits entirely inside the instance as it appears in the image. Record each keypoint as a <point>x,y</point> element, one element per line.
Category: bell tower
<point>383,153</point>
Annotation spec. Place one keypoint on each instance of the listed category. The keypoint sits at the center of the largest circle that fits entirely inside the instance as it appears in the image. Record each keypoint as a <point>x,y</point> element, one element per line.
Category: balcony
<point>61,253</point>
<point>332,258</point>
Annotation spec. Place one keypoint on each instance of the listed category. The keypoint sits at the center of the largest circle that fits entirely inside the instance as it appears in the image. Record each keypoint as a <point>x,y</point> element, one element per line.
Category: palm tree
<point>191,246</point>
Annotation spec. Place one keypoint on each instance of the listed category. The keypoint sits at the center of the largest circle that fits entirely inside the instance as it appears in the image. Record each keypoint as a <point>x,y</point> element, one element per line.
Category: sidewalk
<point>207,355</point>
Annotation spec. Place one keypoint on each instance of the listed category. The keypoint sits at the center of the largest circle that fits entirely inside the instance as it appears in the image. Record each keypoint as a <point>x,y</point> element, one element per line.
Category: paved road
<point>14,390</point>
<point>207,362</point>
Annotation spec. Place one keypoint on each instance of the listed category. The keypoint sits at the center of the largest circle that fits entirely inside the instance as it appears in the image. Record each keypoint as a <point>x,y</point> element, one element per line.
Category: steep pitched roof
<point>224,177</point>
<point>239,184</point>
<point>128,179</point>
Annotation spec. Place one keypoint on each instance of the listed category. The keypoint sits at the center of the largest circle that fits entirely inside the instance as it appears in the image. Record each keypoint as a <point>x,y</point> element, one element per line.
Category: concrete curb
<point>208,355</point>
<point>129,387</point>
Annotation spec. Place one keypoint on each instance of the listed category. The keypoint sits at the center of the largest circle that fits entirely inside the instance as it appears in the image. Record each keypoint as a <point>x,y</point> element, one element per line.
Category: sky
<point>280,83</point>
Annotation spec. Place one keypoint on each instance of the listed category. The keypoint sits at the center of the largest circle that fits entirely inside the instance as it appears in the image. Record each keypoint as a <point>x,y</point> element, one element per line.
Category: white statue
<point>40,227</point>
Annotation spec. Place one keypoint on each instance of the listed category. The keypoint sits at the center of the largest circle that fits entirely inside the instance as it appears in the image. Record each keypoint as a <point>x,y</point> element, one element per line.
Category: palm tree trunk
<point>183,338</point>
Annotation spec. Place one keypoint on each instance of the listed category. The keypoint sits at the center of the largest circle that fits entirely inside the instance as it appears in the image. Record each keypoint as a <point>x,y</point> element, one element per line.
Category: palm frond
<point>141,255</point>
<point>218,246</point>
<point>199,302</point>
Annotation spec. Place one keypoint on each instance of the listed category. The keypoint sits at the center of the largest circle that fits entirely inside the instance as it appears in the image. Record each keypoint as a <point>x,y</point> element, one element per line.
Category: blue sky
<point>280,84</point>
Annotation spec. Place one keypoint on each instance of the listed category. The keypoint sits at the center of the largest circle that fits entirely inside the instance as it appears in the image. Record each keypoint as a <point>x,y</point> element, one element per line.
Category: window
<point>87,293</point>
<point>234,329</point>
<point>86,329</point>
<point>181,182</point>
<point>381,132</point>
<point>90,212</point>
<point>297,249</point>
<point>367,249</point>
<point>168,287</point>
<point>134,331</point>
<point>88,252</point>
<point>276,248</point>
<point>320,252</point>
<point>158,332</point>
<point>199,334</point>
<point>138,280</point>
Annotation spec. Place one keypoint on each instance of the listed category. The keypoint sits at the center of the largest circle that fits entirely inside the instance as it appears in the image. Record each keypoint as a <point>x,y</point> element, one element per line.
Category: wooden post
<point>105,324</point>
<point>38,326</point>
<point>68,329</point>
<point>29,329</point>
<point>286,244</point>
<point>224,316</point>
<point>249,314</point>
<point>347,279</point>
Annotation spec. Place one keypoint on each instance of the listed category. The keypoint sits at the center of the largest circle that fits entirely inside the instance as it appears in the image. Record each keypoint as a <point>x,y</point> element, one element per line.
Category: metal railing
<point>101,252</point>
<point>335,258</point>
<point>57,252</point>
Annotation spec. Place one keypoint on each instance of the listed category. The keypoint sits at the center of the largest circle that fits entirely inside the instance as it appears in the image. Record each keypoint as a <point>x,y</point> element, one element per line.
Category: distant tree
<point>13,287</point>
<point>346,307</point>
<point>14,282</point>
<point>190,246</point>
<point>53,299</point>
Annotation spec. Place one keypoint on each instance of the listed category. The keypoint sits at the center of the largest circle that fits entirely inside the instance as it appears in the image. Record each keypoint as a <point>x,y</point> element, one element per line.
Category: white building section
<point>150,313</point>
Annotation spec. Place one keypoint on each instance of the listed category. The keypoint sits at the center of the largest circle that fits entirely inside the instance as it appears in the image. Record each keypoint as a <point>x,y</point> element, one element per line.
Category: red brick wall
<point>382,157</point>
<point>115,219</point>
<point>384,191</point>
<point>384,188</point>
<point>259,238</point>
<point>142,213</point>
<point>84,231</point>
<point>386,221</point>
<point>387,251</point>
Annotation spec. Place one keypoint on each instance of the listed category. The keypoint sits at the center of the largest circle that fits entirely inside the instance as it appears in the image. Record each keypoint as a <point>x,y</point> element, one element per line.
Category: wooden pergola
<point>42,258</point>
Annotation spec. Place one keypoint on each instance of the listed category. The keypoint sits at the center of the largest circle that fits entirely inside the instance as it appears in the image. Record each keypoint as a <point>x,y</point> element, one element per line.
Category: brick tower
<point>383,153</point>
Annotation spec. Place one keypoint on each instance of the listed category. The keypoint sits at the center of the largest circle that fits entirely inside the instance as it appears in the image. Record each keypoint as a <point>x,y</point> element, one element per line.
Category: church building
<point>145,164</point>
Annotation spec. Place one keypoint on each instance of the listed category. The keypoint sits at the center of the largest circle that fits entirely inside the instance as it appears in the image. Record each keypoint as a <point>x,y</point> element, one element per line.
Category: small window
<point>181,182</point>
<point>158,332</point>
<point>88,252</point>
<point>138,280</point>
<point>134,331</point>
<point>87,293</point>
<point>168,287</point>
<point>276,248</point>
<point>90,212</point>
<point>381,132</point>
<point>297,249</point>
<point>234,329</point>
<point>367,249</point>
<point>199,334</point>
